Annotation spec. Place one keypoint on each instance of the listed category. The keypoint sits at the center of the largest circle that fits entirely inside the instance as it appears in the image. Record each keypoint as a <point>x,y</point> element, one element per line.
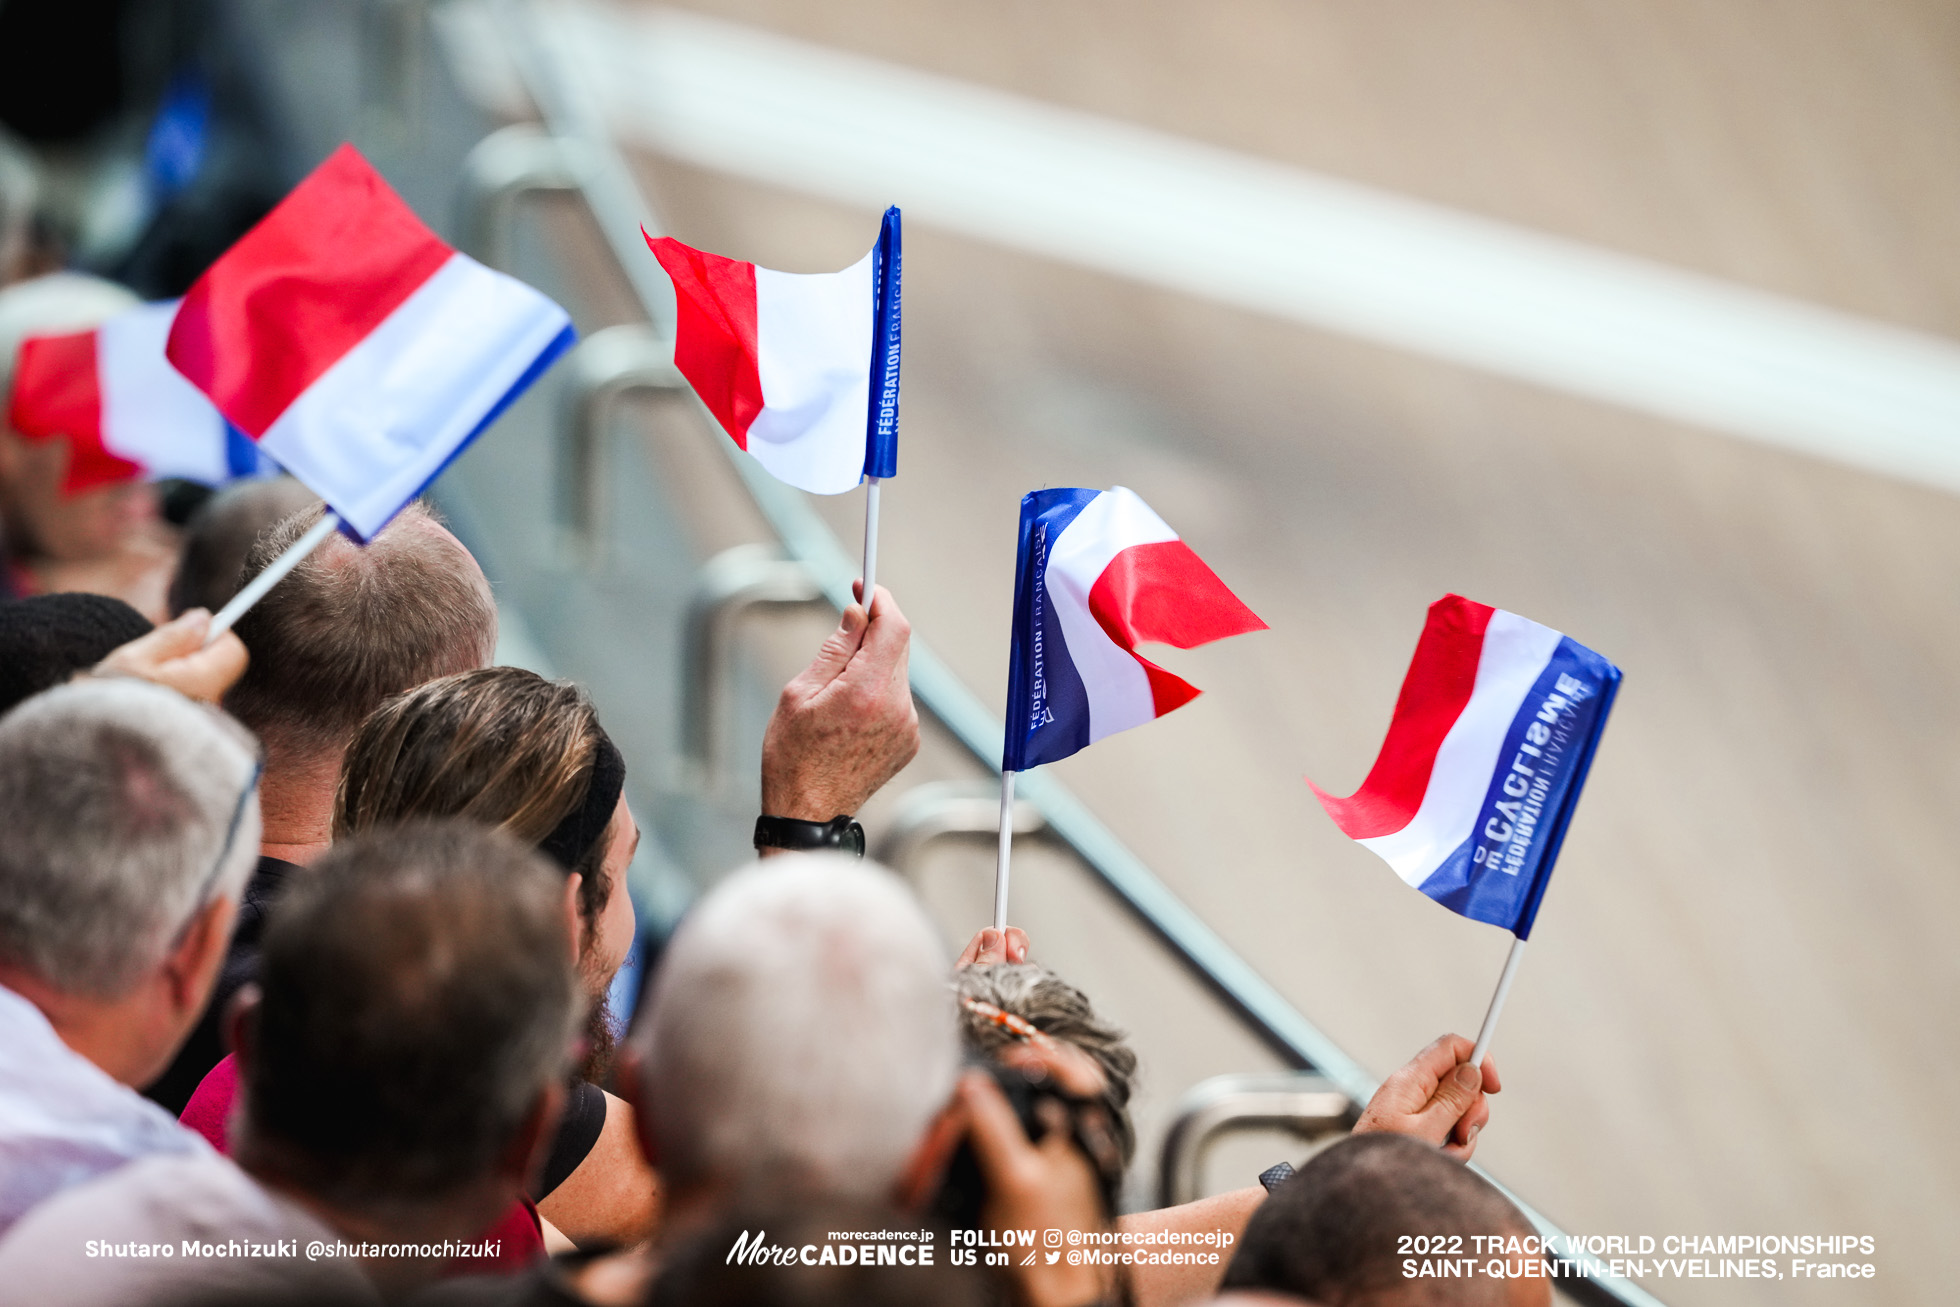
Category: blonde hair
<point>499,745</point>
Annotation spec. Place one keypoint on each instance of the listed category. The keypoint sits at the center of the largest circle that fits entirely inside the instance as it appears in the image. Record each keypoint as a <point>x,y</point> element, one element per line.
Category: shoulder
<point>161,1225</point>
<point>196,1198</point>
<point>63,1122</point>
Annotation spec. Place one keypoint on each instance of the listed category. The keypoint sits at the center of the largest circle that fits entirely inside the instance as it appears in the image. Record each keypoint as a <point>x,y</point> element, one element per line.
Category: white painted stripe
<point>150,414</point>
<point>1515,652</point>
<point>377,425</point>
<point>1118,689</point>
<point>1238,229</point>
<point>813,347</point>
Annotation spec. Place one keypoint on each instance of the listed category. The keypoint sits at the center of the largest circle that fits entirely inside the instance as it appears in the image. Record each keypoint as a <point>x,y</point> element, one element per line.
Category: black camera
<point>963,1194</point>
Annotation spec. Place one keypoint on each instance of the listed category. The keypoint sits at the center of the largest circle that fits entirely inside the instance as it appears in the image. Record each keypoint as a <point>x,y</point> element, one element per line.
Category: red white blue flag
<point>1098,574</point>
<point>355,346</point>
<point>125,412</point>
<point>801,369</point>
<point>1489,747</point>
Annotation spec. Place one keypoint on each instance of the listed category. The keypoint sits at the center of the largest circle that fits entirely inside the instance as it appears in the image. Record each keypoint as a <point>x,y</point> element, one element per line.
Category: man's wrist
<point>814,802</point>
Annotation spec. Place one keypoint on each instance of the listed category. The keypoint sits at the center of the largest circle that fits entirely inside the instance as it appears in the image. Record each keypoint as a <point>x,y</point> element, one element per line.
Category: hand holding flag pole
<point>1476,783</point>
<point>1096,574</point>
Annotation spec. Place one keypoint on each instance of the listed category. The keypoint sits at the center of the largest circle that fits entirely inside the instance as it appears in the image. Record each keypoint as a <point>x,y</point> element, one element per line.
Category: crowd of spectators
<point>307,935</point>
<point>306,938</point>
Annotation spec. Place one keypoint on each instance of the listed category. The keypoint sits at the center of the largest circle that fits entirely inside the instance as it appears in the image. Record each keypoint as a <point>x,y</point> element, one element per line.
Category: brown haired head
<point>500,746</point>
<point>353,625</point>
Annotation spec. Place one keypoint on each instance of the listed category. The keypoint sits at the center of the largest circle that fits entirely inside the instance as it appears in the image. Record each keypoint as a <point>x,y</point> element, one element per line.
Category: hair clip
<point>1005,1020</point>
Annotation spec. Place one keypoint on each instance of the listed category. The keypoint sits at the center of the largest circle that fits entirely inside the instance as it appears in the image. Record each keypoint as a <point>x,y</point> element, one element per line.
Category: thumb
<point>838,648</point>
<point>1455,1094</point>
<point>182,634</point>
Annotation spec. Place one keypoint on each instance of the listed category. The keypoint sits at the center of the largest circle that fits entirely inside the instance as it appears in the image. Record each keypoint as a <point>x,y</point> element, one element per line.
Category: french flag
<point>800,369</point>
<point>1098,574</point>
<point>1489,747</point>
<point>355,347</point>
<point>125,412</point>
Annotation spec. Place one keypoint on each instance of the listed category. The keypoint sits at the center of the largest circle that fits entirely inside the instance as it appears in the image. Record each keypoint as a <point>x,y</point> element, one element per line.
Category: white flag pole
<point>272,575</point>
<point>870,541</point>
<point>1497,1003</point>
<point>1006,849</point>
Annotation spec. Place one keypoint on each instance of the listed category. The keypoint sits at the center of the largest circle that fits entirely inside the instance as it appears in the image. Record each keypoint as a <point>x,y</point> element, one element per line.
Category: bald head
<point>354,625</point>
<point>800,1032</point>
<point>1332,1233</point>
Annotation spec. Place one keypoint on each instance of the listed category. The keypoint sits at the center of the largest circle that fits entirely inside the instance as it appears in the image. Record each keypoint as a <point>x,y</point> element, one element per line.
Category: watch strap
<point>1276,1175</point>
<point>839,832</point>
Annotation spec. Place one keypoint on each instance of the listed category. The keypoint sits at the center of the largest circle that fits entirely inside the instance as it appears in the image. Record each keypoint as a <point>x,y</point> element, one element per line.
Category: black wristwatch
<point>789,833</point>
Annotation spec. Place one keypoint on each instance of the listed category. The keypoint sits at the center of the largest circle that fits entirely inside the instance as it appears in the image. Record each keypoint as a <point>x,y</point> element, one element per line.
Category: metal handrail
<point>508,164</point>
<point>610,363</point>
<point>727,586</point>
<point>944,809</point>
<point>1308,1107</point>
<point>570,113</point>
<point>609,188</point>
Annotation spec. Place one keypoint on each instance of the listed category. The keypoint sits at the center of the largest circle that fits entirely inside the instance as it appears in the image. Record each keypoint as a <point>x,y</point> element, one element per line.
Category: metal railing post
<point>1309,1107</point>
<point>610,363</point>
<point>727,586</point>
<point>939,809</point>
<point>502,168</point>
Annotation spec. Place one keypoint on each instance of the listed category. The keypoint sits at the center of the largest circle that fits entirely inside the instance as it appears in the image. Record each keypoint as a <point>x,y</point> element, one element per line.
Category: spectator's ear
<point>191,968</point>
<point>630,1085</point>
<point>926,1168</point>
<point>240,1020</point>
<point>574,919</point>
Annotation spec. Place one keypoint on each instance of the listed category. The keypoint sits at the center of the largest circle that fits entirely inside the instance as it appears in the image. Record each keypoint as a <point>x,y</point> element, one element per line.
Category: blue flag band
<point>881,427</point>
<point>1486,755</point>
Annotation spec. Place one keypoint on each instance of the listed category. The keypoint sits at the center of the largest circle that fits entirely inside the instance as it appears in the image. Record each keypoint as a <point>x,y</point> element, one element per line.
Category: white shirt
<point>63,1120</point>
<point>172,1227</point>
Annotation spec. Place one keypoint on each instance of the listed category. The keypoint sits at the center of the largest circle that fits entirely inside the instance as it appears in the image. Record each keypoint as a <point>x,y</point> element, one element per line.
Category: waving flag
<point>125,412</point>
<point>1097,575</point>
<point>801,370</point>
<point>357,348</point>
<point>1485,757</point>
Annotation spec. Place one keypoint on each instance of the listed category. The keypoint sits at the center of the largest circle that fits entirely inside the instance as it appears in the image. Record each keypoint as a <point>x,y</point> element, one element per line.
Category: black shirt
<point>578,1130</point>
<point>206,1046</point>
